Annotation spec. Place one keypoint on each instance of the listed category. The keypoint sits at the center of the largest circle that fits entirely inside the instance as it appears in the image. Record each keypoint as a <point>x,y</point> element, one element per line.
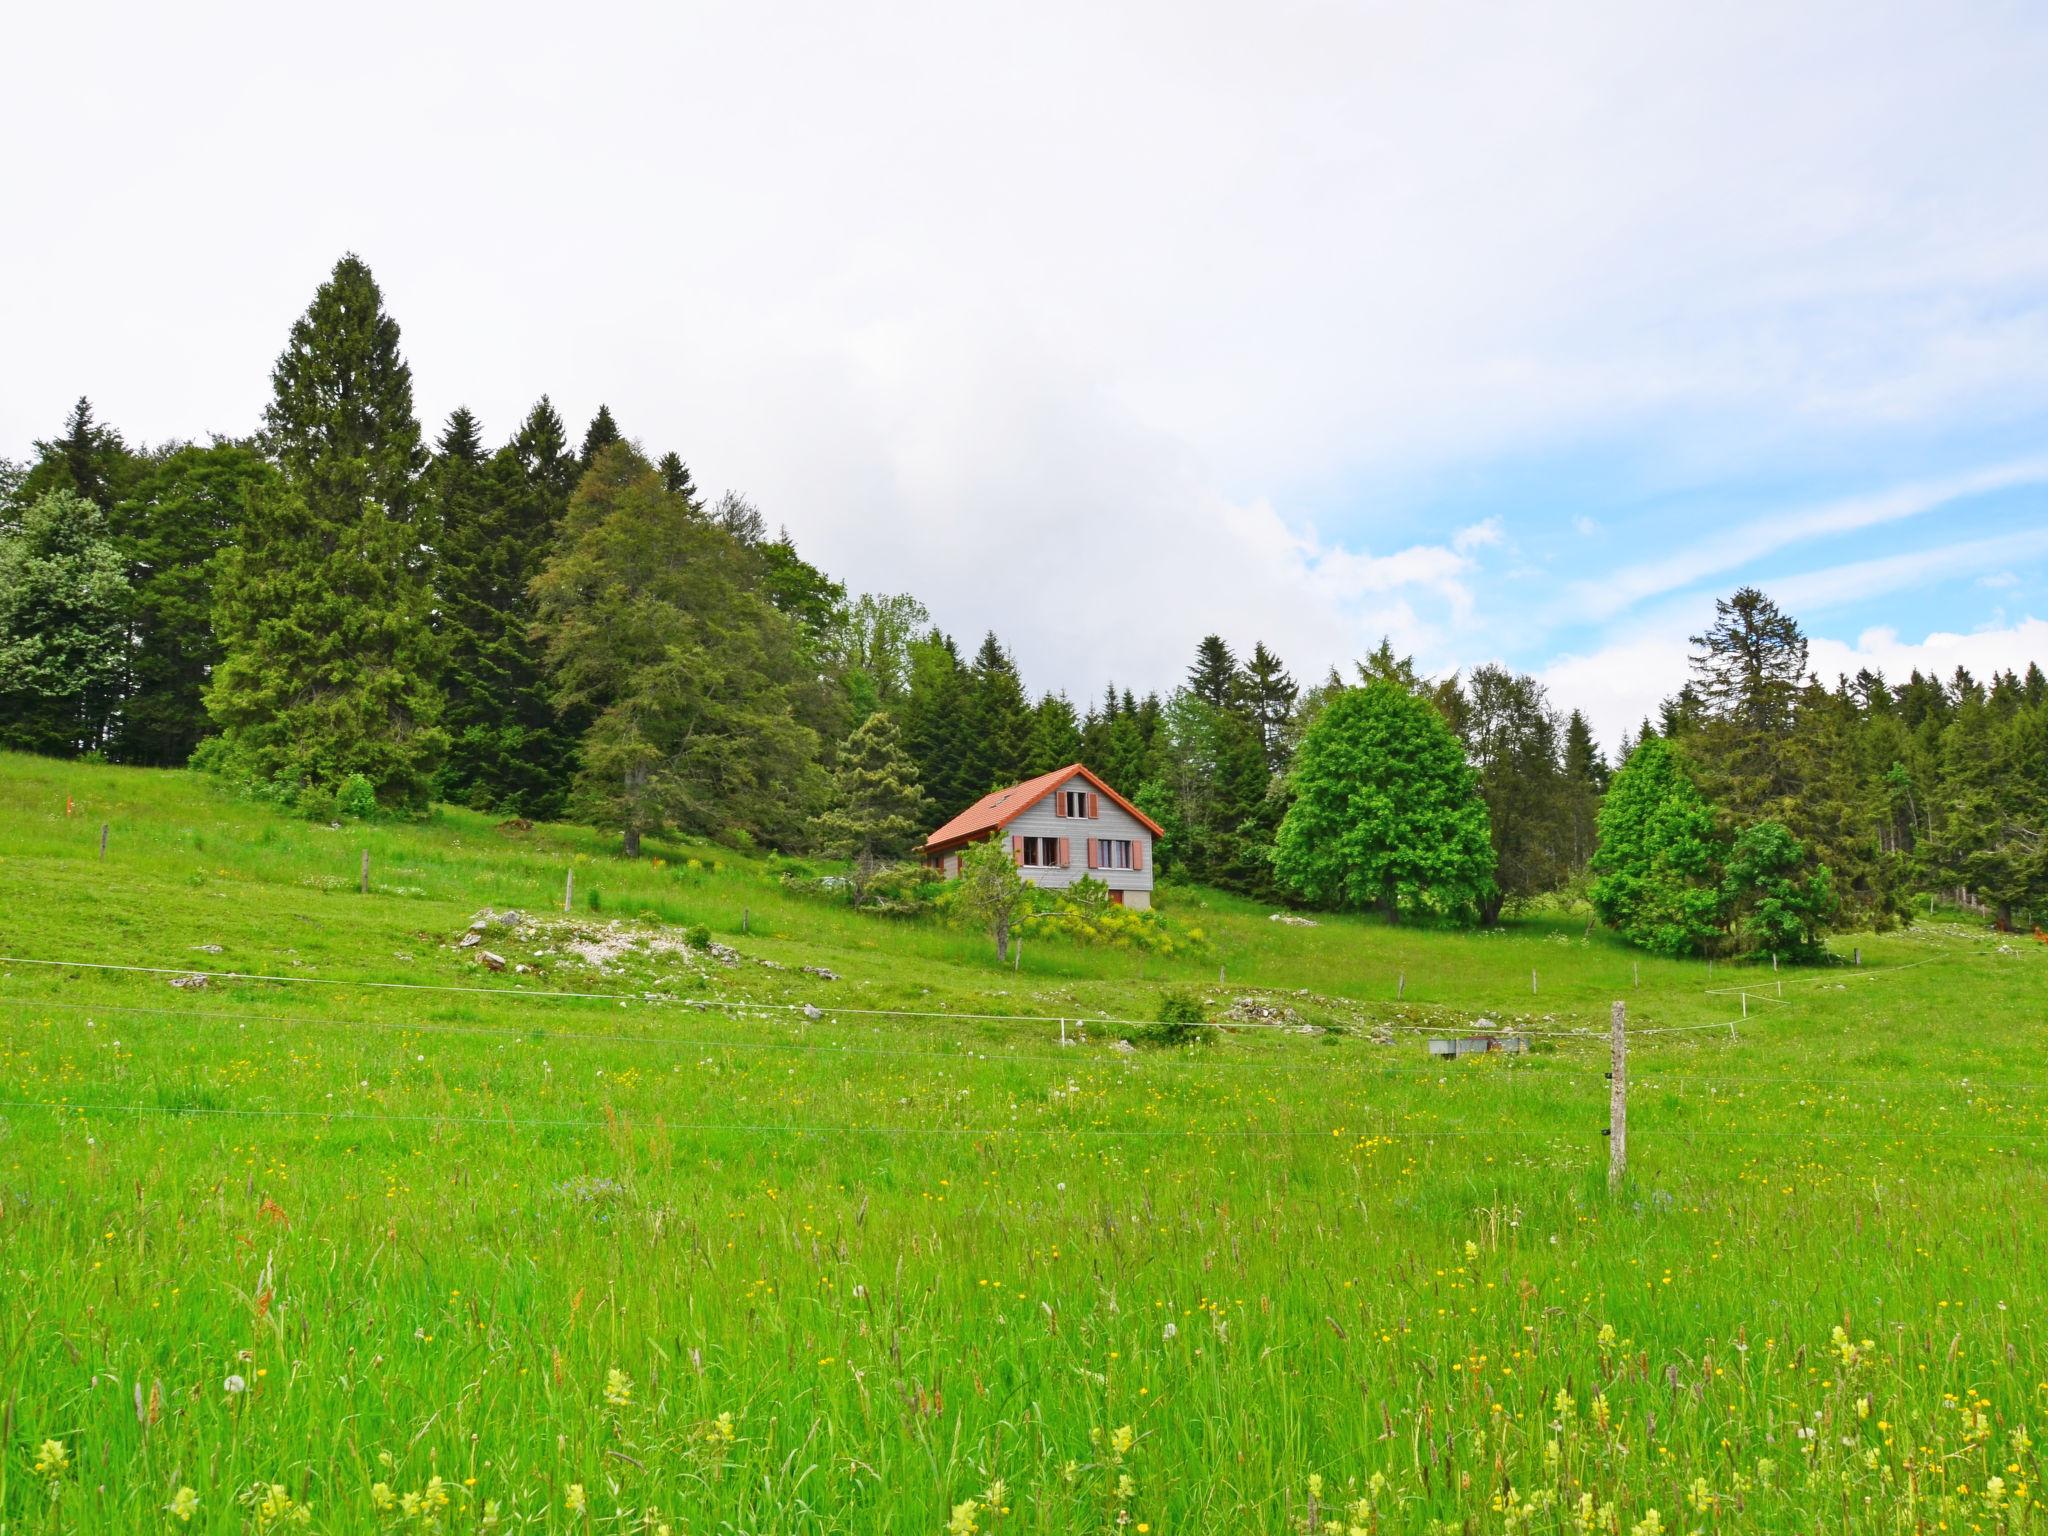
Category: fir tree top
<point>341,418</point>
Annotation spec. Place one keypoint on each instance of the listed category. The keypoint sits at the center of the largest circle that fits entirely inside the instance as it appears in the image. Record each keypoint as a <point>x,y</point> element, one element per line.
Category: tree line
<point>334,606</point>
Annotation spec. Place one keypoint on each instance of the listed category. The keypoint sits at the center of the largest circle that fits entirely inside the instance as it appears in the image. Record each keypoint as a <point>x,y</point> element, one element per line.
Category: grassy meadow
<point>627,1240</point>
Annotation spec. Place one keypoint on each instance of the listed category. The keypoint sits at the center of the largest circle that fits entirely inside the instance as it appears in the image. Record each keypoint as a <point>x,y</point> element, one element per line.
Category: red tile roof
<point>998,809</point>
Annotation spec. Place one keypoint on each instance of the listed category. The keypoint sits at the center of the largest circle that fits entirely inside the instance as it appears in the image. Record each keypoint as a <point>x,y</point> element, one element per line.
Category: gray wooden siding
<point>1115,822</point>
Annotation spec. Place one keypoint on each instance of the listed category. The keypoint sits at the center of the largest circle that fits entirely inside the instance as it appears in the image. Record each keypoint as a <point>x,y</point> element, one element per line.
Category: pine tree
<point>877,811</point>
<point>1585,777</point>
<point>89,460</point>
<point>1213,678</point>
<point>324,616</point>
<point>1269,695</point>
<point>174,530</point>
<point>64,601</point>
<point>340,422</point>
<point>1055,735</point>
<point>598,436</point>
<point>998,738</point>
<point>935,723</point>
<point>675,478</point>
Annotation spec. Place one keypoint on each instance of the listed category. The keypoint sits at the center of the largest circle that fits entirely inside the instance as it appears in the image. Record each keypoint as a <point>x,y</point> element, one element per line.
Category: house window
<point>1114,853</point>
<point>1041,852</point>
<point>1074,802</point>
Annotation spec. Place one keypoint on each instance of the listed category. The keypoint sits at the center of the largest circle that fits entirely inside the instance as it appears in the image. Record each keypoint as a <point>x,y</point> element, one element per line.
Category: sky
<point>1511,333</point>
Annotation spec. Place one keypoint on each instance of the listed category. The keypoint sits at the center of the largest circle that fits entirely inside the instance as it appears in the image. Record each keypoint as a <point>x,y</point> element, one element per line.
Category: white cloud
<point>1856,581</point>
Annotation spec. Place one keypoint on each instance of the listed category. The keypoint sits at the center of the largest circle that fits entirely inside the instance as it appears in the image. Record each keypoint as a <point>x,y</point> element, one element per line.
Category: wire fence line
<point>740,1006</point>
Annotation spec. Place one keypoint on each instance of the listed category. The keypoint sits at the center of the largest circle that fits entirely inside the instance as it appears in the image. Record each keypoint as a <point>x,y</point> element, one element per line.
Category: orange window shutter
<point>1137,853</point>
<point>1094,804</point>
<point>1065,856</point>
<point>1017,849</point>
<point>1059,802</point>
<point>1091,851</point>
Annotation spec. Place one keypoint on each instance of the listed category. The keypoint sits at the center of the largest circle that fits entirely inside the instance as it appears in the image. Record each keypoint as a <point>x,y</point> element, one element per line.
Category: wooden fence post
<point>103,842</point>
<point>1617,1102</point>
<point>363,881</point>
<point>569,892</point>
<point>1400,985</point>
<point>1532,978</point>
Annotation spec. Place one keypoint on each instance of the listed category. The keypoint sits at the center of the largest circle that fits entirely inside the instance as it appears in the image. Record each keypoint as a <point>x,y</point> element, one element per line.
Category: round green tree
<point>1386,814</point>
<point>1657,869</point>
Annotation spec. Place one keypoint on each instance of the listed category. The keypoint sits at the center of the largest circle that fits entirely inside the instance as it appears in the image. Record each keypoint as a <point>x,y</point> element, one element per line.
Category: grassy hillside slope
<point>672,1252</point>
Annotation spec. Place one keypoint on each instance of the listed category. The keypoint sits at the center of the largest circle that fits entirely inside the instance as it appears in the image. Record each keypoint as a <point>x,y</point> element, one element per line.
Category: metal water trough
<point>1480,1045</point>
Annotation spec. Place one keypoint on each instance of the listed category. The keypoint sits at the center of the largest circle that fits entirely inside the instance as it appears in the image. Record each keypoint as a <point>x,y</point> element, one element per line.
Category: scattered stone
<point>491,962</point>
<point>1124,1048</point>
<point>207,949</point>
<point>189,983</point>
<point>1252,1010</point>
<point>523,969</point>
<point>812,1013</point>
<point>1294,920</point>
<point>821,973</point>
<point>469,940</point>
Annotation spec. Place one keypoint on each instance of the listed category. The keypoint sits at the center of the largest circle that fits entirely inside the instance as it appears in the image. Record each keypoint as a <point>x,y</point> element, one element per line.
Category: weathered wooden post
<point>1637,967</point>
<point>569,892</point>
<point>1859,955</point>
<point>1219,975</point>
<point>363,880</point>
<point>1617,1101</point>
<point>1400,985</point>
<point>1532,978</point>
<point>103,842</point>
<point>746,919</point>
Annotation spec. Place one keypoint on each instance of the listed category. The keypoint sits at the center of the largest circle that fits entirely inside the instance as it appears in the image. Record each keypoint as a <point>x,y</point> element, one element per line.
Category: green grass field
<point>461,1253</point>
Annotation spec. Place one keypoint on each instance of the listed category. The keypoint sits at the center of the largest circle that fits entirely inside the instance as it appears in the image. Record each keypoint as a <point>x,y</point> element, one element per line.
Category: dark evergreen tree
<point>89,459</point>
<point>174,529</point>
<point>329,663</point>
<point>675,478</point>
<point>1055,735</point>
<point>1585,776</point>
<point>340,422</point>
<point>936,726</point>
<point>1213,678</point>
<point>598,436</point>
<point>1269,696</point>
<point>998,744</point>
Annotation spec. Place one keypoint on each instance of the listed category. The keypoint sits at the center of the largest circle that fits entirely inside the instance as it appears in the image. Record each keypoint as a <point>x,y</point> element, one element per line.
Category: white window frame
<point>1047,850</point>
<point>1075,802</point>
<point>1106,850</point>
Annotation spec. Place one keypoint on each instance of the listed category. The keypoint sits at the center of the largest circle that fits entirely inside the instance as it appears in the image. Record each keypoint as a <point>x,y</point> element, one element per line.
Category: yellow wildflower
<point>963,1522</point>
<point>52,1459</point>
<point>184,1505</point>
<point>618,1387</point>
<point>573,1500</point>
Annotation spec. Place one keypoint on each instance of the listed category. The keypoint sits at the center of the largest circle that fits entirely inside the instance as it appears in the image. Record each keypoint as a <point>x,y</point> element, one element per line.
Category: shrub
<point>1182,1021</point>
<point>697,936</point>
<point>357,797</point>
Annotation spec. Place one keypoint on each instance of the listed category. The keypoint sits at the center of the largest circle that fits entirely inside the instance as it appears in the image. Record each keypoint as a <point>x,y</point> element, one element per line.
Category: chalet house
<point>1063,826</point>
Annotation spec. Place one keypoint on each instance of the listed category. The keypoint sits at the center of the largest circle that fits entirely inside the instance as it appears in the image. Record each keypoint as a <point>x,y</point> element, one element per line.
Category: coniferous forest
<point>348,614</point>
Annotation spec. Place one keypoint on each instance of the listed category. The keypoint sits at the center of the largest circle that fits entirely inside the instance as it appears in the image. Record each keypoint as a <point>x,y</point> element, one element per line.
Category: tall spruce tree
<point>324,615</point>
<point>675,478</point>
<point>998,742</point>
<point>340,421</point>
<point>1213,678</point>
<point>1055,735</point>
<point>936,725</point>
<point>1585,777</point>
